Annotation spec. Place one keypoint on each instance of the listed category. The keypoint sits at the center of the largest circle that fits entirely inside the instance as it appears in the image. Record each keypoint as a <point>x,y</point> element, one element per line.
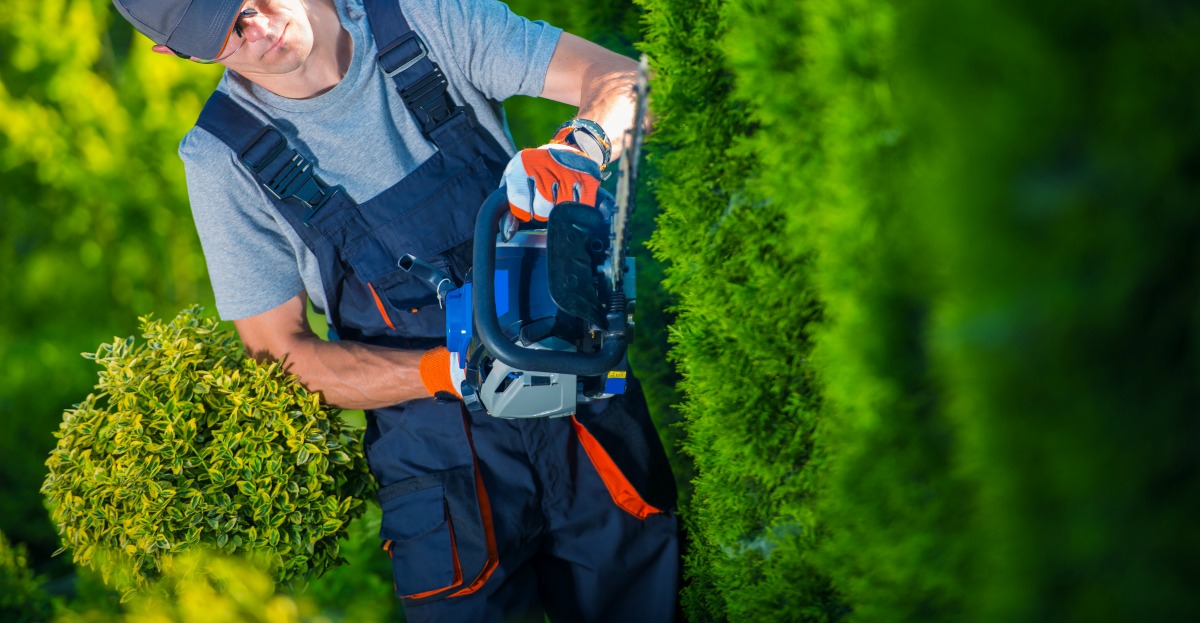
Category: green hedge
<point>894,507</point>
<point>741,339</point>
<point>948,251</point>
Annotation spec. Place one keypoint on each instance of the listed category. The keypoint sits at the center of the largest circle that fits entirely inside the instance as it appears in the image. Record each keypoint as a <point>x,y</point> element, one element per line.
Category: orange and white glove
<point>539,179</point>
<point>441,373</point>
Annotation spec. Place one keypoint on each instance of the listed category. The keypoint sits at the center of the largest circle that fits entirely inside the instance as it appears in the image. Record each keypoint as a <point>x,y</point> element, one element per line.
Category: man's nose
<point>254,27</point>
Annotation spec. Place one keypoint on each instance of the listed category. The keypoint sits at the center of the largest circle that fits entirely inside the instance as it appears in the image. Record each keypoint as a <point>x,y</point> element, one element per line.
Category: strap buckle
<point>391,65</point>
<point>296,179</point>
<point>427,97</point>
<point>430,100</point>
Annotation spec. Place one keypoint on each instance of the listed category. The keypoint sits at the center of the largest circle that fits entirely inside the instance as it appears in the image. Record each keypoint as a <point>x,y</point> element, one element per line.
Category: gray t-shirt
<point>363,137</point>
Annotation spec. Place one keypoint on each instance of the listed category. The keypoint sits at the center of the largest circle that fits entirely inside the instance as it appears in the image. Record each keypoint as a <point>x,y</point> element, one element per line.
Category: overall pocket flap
<point>410,512</point>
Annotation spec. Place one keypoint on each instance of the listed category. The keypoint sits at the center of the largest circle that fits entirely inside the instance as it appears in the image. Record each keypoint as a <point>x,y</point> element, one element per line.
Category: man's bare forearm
<point>349,375</point>
<point>600,82</point>
<point>352,375</point>
<point>608,99</point>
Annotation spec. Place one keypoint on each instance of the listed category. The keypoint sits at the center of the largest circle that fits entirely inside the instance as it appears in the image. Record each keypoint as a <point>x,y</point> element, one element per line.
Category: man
<point>348,133</point>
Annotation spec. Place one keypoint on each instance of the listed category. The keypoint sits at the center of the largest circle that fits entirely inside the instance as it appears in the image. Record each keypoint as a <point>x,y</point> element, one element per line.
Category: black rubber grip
<point>487,325</point>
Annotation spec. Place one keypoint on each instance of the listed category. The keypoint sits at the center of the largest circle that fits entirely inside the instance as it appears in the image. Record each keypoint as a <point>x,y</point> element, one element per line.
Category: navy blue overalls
<point>485,519</point>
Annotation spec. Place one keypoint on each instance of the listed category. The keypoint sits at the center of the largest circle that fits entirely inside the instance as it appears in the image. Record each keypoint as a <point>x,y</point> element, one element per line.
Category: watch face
<point>590,146</point>
<point>596,131</point>
<point>592,130</point>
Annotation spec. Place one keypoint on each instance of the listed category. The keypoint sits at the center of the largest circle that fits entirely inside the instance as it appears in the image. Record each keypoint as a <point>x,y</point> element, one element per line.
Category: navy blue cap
<point>194,27</point>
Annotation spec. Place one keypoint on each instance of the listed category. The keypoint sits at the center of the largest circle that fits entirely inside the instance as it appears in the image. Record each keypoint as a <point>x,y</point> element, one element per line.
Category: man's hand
<point>441,373</point>
<point>539,179</point>
<point>598,81</point>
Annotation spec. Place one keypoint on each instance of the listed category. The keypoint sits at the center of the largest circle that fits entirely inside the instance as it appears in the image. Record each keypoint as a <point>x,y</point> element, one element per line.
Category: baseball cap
<point>197,28</point>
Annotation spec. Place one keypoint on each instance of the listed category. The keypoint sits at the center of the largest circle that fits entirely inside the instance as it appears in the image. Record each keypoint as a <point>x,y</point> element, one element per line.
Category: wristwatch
<point>589,137</point>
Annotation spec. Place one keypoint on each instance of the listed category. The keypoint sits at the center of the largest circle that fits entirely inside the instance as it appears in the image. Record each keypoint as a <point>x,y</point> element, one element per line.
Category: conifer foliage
<point>935,266</point>
<point>1059,190</point>
<point>741,340</point>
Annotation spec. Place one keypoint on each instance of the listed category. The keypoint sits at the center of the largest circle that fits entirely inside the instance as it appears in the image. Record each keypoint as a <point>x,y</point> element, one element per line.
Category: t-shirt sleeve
<point>251,264</point>
<point>501,53</point>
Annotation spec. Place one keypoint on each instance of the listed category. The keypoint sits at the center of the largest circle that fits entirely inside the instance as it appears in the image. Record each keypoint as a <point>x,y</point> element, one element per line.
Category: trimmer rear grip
<point>437,279</point>
<point>487,324</point>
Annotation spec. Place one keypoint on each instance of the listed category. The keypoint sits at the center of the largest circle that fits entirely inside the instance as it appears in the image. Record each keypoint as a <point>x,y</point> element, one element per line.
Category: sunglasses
<point>237,29</point>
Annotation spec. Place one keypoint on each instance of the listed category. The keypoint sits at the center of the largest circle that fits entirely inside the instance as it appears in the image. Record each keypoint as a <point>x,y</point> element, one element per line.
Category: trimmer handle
<point>487,323</point>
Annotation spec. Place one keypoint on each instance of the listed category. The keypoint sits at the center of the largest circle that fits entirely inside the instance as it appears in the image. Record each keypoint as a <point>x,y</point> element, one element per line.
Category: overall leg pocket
<point>438,533</point>
<point>419,537</point>
<point>437,521</point>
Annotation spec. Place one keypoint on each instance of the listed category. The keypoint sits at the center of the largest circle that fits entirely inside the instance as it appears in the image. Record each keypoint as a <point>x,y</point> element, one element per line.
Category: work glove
<point>538,179</point>
<point>441,373</point>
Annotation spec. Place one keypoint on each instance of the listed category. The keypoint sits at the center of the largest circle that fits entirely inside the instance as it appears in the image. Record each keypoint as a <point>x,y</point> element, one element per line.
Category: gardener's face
<point>277,39</point>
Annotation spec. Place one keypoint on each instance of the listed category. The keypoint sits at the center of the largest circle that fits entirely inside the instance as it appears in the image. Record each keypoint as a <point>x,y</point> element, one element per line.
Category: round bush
<point>187,443</point>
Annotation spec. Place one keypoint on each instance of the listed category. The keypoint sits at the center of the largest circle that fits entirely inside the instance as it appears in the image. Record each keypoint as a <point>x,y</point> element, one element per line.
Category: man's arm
<point>349,375</point>
<point>600,82</point>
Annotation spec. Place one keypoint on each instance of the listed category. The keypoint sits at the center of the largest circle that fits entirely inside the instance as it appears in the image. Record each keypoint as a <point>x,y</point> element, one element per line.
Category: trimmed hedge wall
<point>937,276</point>
<point>894,506</point>
<point>741,339</point>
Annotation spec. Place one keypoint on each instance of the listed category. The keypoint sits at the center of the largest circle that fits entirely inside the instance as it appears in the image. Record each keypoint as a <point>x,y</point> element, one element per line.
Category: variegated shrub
<point>187,443</point>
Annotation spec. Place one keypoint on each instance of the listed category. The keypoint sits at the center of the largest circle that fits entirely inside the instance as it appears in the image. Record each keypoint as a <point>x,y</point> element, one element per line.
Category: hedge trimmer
<point>543,325</point>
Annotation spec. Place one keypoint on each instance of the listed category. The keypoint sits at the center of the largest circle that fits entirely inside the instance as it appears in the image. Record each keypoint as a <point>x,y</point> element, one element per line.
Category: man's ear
<point>162,49</point>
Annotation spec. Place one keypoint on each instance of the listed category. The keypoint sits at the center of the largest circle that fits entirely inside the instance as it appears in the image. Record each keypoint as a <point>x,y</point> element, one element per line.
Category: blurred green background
<point>96,229</point>
<point>918,311</point>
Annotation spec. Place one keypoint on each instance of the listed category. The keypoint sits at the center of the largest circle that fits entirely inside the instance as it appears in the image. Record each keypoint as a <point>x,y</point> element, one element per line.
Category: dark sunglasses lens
<point>237,24</point>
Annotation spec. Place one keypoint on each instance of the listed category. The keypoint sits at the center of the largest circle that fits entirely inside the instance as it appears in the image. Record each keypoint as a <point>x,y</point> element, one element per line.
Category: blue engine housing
<point>522,292</point>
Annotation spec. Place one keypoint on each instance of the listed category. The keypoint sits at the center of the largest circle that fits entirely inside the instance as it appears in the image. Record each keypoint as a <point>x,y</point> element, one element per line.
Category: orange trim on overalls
<point>382,311</point>
<point>619,487</point>
<point>458,579</point>
<point>485,512</point>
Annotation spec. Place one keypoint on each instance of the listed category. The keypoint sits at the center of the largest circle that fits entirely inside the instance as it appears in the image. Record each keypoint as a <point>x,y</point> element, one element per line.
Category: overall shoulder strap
<point>404,58</point>
<point>284,172</point>
<point>288,177</point>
